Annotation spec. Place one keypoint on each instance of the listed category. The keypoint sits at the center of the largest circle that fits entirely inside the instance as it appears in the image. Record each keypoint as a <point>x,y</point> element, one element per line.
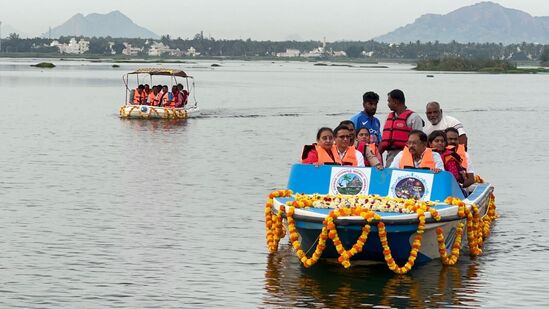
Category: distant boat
<point>429,75</point>
<point>145,111</point>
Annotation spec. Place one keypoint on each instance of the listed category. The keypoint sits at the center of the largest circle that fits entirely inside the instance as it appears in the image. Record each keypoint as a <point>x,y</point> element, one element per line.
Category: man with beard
<point>366,119</point>
<point>416,154</point>
<point>439,121</point>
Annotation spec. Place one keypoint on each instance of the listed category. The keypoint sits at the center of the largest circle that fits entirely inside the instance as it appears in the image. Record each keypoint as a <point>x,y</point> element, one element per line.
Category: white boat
<point>143,111</point>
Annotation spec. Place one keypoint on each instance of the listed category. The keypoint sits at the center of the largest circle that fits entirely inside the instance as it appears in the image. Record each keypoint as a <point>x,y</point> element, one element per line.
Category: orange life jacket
<point>348,159</point>
<point>396,131</point>
<point>427,160</point>
<point>462,154</point>
<point>139,98</point>
<point>164,98</point>
<point>326,156</point>
<point>153,99</point>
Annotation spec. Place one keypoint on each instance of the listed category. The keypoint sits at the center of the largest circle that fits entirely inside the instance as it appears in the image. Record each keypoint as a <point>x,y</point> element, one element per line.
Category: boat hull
<point>155,112</point>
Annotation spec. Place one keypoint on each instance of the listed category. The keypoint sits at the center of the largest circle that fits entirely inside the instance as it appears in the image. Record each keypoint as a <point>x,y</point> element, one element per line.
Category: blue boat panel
<point>309,179</point>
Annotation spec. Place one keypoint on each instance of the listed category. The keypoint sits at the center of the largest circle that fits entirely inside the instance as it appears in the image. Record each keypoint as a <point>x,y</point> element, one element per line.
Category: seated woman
<point>321,151</point>
<point>437,141</point>
<point>371,154</point>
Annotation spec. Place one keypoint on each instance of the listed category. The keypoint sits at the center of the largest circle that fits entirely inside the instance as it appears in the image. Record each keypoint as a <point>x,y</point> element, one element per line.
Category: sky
<point>242,19</point>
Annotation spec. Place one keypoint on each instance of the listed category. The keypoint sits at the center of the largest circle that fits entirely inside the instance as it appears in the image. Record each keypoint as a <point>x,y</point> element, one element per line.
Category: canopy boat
<point>145,111</point>
<point>393,216</point>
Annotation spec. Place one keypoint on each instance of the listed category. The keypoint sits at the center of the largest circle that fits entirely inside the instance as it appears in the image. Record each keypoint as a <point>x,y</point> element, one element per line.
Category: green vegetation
<point>474,65</point>
<point>44,65</point>
<point>544,58</point>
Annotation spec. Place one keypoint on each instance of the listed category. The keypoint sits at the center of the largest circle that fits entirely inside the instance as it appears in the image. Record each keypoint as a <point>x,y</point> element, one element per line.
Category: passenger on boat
<point>345,153</point>
<point>351,126</point>
<point>400,122</point>
<point>416,154</point>
<point>439,121</point>
<point>366,119</point>
<point>165,96</point>
<point>452,137</point>
<point>154,96</point>
<point>321,151</point>
<point>369,151</point>
<point>451,160</point>
<point>139,96</point>
<point>147,89</point>
<point>185,94</point>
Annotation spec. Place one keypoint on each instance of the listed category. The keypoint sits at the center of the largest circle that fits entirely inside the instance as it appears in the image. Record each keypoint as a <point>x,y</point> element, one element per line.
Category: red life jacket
<point>396,131</point>
<point>427,160</point>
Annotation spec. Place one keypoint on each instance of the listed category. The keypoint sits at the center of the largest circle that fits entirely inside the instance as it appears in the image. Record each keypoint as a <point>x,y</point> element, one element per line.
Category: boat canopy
<point>161,71</point>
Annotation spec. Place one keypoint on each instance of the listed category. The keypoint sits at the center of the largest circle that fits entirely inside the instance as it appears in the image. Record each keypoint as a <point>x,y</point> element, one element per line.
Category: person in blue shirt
<point>366,119</point>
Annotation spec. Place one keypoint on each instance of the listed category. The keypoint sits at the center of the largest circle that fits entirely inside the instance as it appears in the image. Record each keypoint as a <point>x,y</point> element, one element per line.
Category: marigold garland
<point>365,206</point>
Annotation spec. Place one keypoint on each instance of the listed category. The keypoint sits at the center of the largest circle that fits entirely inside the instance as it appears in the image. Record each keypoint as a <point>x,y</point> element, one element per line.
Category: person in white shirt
<point>418,154</point>
<point>439,121</point>
<point>343,145</point>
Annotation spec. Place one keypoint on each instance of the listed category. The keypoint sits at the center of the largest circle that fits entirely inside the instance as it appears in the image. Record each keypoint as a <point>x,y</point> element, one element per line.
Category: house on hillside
<point>129,50</point>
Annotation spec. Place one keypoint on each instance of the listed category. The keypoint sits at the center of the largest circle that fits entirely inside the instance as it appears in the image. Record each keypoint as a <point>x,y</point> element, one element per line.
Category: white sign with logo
<point>406,184</point>
<point>350,180</point>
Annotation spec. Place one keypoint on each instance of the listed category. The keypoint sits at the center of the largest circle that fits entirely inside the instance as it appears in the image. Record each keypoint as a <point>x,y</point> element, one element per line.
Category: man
<point>366,119</point>
<point>139,96</point>
<point>438,121</point>
<point>452,137</point>
<point>417,155</point>
<point>343,151</point>
<point>184,93</point>
<point>400,122</point>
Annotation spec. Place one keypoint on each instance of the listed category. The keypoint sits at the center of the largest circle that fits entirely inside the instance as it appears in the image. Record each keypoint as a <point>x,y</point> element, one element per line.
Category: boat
<point>399,217</point>
<point>145,75</point>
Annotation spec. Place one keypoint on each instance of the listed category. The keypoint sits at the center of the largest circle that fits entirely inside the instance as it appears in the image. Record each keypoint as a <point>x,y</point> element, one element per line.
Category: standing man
<point>400,122</point>
<point>366,119</point>
<point>438,121</point>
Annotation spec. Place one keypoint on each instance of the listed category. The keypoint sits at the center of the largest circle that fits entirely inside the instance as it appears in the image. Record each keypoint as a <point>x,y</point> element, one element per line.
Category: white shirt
<point>415,121</point>
<point>436,157</point>
<point>360,158</point>
<point>445,122</point>
<point>469,164</point>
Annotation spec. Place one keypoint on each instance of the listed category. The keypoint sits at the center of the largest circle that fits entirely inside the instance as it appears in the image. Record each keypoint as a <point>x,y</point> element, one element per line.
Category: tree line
<point>211,47</point>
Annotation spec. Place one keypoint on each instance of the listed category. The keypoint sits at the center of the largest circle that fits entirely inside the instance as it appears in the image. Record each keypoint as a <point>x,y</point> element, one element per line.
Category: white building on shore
<point>289,53</point>
<point>73,47</point>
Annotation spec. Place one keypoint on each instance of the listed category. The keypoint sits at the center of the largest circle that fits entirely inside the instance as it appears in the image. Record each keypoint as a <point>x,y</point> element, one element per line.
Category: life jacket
<point>153,99</point>
<point>373,147</point>
<point>449,154</point>
<point>348,159</point>
<point>427,160</point>
<point>324,157</point>
<point>139,98</point>
<point>460,150</point>
<point>396,131</point>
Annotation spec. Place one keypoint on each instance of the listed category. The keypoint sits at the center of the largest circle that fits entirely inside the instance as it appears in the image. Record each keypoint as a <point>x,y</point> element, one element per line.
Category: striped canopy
<point>160,71</point>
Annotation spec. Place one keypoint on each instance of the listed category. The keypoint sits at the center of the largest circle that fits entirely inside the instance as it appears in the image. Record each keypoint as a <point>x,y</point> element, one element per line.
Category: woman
<point>321,151</point>
<point>437,141</point>
<point>371,154</point>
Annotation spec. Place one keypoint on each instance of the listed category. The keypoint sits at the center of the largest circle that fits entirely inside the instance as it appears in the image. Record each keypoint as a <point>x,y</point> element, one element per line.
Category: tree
<point>545,56</point>
<point>118,47</point>
<point>13,36</point>
<point>354,51</point>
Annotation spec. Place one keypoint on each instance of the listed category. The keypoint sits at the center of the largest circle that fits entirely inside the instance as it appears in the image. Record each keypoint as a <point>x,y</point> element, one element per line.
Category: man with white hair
<point>439,121</point>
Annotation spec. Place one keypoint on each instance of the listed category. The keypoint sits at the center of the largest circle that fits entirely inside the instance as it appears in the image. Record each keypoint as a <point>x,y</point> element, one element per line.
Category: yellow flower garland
<point>477,229</point>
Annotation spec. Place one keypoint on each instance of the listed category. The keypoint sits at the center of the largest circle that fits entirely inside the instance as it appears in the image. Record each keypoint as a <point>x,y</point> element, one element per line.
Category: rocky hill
<point>481,22</point>
<point>114,24</point>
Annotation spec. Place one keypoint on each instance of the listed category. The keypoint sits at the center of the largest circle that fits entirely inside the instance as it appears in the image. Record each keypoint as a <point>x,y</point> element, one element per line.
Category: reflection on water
<point>330,286</point>
<point>154,124</point>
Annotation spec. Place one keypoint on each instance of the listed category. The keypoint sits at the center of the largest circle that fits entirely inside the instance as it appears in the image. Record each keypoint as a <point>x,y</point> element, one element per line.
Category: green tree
<point>545,56</point>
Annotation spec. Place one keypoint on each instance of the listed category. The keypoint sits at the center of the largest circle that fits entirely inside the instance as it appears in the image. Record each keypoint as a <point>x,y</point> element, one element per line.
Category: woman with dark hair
<point>321,151</point>
<point>369,151</point>
<point>437,141</point>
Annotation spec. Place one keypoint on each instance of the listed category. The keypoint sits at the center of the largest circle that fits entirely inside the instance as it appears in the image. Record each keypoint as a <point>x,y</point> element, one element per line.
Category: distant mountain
<point>481,22</point>
<point>114,24</point>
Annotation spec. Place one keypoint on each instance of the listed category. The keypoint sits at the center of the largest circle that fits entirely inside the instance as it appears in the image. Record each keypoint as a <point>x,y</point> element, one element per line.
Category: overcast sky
<point>255,19</point>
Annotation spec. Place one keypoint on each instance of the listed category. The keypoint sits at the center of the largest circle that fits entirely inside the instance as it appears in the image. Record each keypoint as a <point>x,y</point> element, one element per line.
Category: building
<point>73,47</point>
<point>131,51</point>
<point>289,53</point>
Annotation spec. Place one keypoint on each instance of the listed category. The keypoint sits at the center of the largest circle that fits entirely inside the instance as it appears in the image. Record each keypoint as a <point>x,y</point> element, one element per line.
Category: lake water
<point>102,212</point>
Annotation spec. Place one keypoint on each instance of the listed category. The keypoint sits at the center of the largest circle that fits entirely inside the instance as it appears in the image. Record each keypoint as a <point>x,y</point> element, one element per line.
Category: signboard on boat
<point>406,184</point>
<point>350,181</point>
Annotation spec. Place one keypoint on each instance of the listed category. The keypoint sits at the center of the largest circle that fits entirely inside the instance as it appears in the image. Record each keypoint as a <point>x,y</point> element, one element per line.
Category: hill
<point>482,22</point>
<point>114,24</point>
